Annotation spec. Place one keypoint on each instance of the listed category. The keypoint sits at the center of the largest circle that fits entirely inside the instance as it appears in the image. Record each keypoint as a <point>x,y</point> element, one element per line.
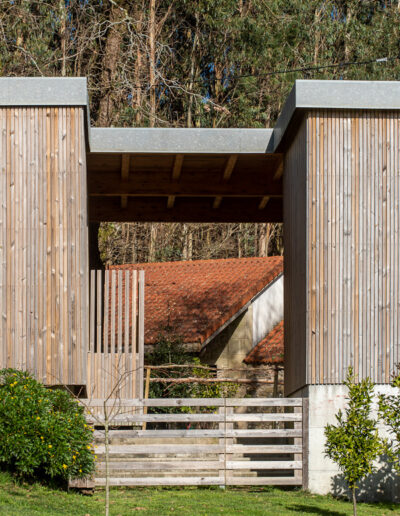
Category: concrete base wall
<point>323,475</point>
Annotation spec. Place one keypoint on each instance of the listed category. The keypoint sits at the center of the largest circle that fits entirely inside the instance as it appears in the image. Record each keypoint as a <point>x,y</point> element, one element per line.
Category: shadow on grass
<point>311,509</point>
<point>39,479</point>
<point>381,486</point>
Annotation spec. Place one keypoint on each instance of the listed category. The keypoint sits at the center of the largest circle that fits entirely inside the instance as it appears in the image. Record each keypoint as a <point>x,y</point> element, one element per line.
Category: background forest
<point>203,63</point>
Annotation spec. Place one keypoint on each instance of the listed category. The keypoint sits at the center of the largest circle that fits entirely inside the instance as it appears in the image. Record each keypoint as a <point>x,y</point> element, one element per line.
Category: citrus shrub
<point>43,431</point>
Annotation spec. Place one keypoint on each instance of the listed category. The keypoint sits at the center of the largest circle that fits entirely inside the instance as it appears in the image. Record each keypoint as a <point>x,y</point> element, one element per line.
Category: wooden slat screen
<point>116,344</point>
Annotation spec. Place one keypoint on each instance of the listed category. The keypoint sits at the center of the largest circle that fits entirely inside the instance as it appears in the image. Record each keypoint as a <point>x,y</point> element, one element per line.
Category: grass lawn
<point>30,500</point>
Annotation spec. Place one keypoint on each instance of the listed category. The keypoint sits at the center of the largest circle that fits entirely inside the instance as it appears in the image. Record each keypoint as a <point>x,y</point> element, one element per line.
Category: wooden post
<point>146,393</point>
<point>222,442</point>
<point>298,474</point>
<point>228,442</point>
<point>141,333</point>
<point>305,442</point>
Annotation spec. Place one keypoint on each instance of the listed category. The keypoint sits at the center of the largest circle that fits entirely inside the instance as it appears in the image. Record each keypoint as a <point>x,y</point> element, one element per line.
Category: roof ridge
<point>195,262</point>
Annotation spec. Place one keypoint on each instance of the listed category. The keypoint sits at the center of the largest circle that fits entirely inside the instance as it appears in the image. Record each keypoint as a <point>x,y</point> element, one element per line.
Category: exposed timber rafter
<point>228,170</point>
<point>263,202</point>
<point>176,174</point>
<point>125,164</point>
<point>279,172</point>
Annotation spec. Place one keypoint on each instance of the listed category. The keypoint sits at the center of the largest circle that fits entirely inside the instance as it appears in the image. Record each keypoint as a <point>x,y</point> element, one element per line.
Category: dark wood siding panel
<point>43,240</point>
<point>353,247</point>
<point>295,227</point>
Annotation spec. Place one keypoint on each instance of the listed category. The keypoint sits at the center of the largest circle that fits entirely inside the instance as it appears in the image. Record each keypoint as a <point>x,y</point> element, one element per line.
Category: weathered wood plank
<point>154,434</point>
<point>263,481</point>
<point>164,465</point>
<point>160,481</point>
<point>150,449</point>
<point>263,464</point>
<point>264,448</point>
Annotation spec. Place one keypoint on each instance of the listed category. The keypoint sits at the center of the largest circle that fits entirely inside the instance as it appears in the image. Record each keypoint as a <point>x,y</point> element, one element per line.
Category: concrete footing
<point>323,475</point>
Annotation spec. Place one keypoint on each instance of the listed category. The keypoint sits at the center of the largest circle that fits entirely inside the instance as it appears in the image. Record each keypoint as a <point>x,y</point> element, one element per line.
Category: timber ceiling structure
<point>184,175</point>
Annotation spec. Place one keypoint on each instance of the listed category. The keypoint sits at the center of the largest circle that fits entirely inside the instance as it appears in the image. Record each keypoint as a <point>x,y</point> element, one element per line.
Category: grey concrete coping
<point>305,94</point>
<point>367,95</point>
<point>43,91</point>
<point>180,141</point>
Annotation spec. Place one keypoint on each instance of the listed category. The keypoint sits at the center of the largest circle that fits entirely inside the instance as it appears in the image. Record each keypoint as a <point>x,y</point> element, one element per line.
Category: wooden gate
<point>116,334</point>
<point>231,441</point>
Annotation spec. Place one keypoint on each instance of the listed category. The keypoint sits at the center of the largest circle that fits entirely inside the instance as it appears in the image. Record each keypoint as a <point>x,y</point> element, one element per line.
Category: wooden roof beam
<point>198,210</point>
<point>228,171</point>
<point>263,202</point>
<point>156,185</point>
<point>229,167</point>
<point>279,171</point>
<point>176,174</point>
<point>125,164</point>
<point>217,202</point>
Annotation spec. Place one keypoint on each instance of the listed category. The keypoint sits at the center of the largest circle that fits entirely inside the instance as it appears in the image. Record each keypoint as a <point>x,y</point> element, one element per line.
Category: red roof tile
<point>193,299</point>
<point>269,350</point>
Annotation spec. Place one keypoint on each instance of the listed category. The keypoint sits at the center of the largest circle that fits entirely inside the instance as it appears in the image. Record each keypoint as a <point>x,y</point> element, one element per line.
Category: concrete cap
<point>43,91</point>
<point>180,141</point>
<point>366,95</point>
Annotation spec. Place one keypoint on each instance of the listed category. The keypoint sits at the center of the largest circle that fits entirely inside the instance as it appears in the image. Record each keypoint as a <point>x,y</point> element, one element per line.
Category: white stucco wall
<point>323,475</point>
<point>267,310</point>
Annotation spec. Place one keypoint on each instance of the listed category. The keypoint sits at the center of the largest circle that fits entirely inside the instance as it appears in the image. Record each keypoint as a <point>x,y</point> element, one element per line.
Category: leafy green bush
<point>43,431</point>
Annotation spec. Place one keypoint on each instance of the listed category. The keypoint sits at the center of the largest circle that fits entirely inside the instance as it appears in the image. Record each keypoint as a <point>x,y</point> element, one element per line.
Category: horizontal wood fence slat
<point>198,402</point>
<point>219,442</point>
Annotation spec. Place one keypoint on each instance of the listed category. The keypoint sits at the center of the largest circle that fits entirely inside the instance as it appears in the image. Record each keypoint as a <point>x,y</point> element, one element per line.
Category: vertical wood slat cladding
<point>294,185</point>
<point>352,246</point>
<point>43,243</point>
<point>116,341</point>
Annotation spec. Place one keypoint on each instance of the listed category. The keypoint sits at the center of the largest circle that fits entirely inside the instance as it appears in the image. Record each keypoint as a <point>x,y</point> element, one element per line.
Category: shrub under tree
<point>43,431</point>
<point>353,443</point>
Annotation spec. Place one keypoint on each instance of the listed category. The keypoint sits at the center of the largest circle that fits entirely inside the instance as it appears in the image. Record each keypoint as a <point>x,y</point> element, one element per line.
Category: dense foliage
<point>353,443</point>
<point>43,431</point>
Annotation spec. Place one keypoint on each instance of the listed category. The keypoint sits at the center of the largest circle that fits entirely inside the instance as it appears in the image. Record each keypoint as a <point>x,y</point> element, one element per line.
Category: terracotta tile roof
<point>269,350</point>
<point>193,299</point>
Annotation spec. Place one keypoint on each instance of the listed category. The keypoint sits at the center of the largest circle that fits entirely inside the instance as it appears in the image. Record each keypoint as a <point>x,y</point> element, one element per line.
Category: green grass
<point>35,499</point>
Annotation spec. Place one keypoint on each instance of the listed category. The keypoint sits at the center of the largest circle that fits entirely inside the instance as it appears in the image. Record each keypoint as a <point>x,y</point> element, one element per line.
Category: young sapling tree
<point>353,443</point>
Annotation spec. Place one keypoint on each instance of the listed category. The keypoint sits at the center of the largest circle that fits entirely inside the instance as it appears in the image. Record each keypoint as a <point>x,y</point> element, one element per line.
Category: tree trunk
<point>139,68</point>
<point>192,73</point>
<point>134,251</point>
<point>317,35</point>
<point>63,37</point>
<point>354,501</point>
<point>109,63</point>
<point>152,246</point>
<point>263,241</point>
<point>152,61</point>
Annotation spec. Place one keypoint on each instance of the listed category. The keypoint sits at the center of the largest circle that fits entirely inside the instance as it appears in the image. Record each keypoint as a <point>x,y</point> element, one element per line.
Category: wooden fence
<point>116,334</point>
<point>246,441</point>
